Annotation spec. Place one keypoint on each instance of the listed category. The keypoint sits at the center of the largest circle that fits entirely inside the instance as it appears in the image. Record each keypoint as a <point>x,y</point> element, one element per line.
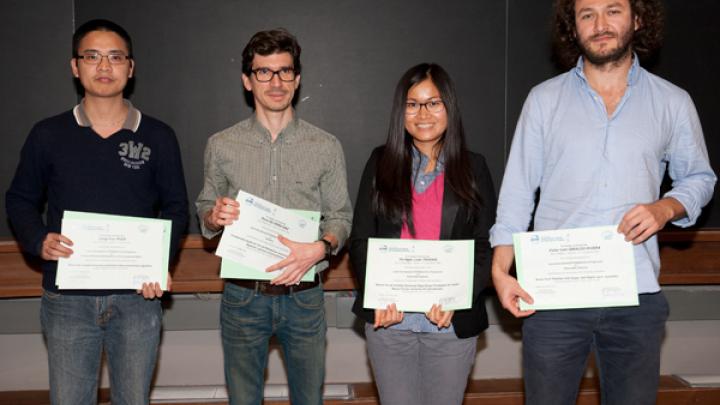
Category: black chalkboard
<point>188,56</point>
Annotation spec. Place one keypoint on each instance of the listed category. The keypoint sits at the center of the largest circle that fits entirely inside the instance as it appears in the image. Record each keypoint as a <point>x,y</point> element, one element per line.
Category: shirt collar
<point>285,134</point>
<point>132,120</point>
<point>633,73</point>
<point>420,161</point>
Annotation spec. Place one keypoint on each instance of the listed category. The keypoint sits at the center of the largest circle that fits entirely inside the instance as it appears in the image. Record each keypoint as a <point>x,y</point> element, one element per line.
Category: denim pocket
<point>235,296</point>
<point>51,295</point>
<point>313,298</point>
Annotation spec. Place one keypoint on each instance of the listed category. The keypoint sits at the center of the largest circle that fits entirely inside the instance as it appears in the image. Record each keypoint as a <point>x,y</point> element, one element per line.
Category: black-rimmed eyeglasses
<point>286,74</point>
<point>432,106</point>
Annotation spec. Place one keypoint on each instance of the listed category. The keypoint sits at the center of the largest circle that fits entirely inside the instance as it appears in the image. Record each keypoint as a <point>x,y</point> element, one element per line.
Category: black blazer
<point>454,225</point>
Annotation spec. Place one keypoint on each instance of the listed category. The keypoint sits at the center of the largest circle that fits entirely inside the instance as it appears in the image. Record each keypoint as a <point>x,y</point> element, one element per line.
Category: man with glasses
<point>103,156</point>
<point>283,159</point>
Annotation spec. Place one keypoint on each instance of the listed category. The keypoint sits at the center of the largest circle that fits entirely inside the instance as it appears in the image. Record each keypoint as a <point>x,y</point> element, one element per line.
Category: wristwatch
<point>328,246</point>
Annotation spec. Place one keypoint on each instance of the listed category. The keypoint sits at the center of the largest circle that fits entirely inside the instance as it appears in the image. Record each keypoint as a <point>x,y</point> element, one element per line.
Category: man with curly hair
<point>596,141</point>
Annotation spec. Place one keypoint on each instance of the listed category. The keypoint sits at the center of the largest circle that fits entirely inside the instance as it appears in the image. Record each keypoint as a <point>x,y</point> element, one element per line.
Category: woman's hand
<point>439,317</point>
<point>387,317</point>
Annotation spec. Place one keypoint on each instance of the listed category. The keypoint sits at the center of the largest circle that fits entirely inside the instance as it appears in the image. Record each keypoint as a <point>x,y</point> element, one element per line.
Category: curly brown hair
<point>645,41</point>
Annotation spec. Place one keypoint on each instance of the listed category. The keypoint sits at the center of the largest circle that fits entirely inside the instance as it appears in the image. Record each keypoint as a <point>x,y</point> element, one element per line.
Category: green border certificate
<point>250,244</point>
<point>576,268</point>
<point>114,251</point>
<point>415,274</point>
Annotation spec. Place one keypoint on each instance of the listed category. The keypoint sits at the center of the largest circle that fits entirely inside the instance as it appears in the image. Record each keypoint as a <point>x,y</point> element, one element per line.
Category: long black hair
<point>392,193</point>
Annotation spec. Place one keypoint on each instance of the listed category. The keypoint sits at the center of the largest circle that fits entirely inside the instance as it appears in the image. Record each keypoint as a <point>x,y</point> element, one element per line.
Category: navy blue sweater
<point>70,167</point>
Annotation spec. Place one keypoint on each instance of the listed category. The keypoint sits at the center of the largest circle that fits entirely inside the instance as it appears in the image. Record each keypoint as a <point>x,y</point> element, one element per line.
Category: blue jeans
<point>248,319</point>
<point>626,342</point>
<point>78,328</point>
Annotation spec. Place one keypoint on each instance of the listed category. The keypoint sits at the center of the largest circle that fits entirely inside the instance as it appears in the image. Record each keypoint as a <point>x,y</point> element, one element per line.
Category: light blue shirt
<point>592,169</point>
<point>418,322</point>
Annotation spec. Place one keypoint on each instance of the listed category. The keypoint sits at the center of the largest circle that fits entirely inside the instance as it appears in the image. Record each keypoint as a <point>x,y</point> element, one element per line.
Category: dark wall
<point>35,75</point>
<point>188,56</point>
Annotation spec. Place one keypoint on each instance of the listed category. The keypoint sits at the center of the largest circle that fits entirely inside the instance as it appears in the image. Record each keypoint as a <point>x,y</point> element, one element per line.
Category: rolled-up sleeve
<point>336,210</point>
<point>693,180</point>
<point>215,184</point>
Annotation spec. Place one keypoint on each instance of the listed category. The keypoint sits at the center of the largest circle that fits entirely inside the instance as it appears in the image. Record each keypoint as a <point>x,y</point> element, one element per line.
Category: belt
<point>265,288</point>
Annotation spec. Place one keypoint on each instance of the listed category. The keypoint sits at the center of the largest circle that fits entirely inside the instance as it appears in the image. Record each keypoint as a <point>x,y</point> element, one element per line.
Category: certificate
<point>415,274</point>
<point>250,244</point>
<point>576,268</point>
<point>114,252</point>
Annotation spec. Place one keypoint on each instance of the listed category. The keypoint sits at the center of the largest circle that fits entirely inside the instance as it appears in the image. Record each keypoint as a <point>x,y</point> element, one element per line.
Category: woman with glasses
<point>424,184</point>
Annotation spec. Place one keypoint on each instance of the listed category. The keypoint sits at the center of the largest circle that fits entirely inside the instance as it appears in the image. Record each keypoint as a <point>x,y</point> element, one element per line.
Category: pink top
<point>427,211</point>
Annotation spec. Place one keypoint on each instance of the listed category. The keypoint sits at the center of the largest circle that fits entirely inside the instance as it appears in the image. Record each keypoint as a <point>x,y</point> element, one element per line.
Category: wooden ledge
<point>688,257</point>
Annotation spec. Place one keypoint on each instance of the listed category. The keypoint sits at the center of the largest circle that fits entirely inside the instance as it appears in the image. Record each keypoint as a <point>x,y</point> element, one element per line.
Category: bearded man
<point>596,142</point>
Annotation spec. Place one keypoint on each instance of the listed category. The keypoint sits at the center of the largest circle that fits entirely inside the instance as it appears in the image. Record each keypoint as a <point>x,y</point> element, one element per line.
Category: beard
<point>607,56</point>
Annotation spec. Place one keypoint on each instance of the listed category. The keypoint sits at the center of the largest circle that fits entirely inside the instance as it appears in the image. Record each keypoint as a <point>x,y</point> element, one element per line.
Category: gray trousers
<point>419,368</point>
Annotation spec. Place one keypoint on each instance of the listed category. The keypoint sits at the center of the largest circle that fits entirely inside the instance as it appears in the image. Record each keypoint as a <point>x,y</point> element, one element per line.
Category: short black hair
<point>100,25</point>
<point>269,42</point>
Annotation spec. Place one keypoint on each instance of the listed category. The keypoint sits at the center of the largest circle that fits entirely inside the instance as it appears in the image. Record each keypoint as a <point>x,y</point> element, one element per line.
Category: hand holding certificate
<point>576,268</point>
<point>114,252</point>
<point>415,274</point>
<point>250,244</point>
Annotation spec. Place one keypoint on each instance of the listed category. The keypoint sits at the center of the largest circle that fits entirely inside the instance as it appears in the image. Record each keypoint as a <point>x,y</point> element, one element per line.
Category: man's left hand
<point>302,256</point>
<point>644,220</point>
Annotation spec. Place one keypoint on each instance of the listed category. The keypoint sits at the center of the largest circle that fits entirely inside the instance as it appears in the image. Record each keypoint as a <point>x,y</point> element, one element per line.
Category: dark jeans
<point>248,319</point>
<point>78,328</point>
<point>625,340</point>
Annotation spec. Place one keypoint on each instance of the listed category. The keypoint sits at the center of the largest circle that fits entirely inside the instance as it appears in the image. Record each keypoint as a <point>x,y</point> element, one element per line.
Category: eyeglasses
<point>286,74</point>
<point>432,106</point>
<point>95,58</point>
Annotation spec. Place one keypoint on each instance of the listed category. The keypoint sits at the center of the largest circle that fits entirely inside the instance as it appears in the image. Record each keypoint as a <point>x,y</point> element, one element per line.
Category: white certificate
<point>576,268</point>
<point>415,274</point>
<point>114,252</point>
<point>250,244</point>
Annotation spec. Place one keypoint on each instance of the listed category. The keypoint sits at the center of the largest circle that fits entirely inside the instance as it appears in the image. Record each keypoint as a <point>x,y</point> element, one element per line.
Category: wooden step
<point>507,391</point>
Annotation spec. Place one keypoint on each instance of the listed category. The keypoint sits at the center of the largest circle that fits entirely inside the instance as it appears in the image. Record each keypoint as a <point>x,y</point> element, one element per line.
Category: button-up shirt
<point>304,168</point>
<point>591,169</point>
